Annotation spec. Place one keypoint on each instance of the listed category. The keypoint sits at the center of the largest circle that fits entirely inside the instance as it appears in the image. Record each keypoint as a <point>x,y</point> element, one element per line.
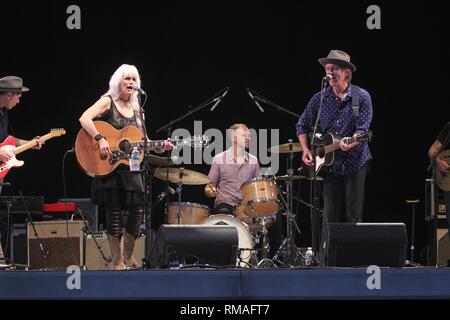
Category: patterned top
<point>118,120</point>
<point>337,118</point>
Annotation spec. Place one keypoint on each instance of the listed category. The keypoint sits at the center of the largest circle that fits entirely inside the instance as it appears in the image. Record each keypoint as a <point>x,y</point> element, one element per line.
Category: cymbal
<point>287,177</point>
<point>182,176</point>
<point>286,148</point>
<point>160,161</point>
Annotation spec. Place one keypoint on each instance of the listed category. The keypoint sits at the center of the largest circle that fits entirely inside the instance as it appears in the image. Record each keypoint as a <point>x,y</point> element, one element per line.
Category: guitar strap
<point>139,115</point>
<point>355,101</point>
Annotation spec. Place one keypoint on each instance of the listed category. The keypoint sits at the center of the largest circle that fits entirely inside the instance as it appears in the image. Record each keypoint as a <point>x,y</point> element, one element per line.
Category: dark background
<point>187,51</point>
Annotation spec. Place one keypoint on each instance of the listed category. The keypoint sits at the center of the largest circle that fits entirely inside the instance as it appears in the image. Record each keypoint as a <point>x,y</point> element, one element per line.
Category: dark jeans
<point>344,192</point>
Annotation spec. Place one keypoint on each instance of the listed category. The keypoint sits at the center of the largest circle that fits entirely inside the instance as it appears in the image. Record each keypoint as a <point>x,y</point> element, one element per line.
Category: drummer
<point>229,170</point>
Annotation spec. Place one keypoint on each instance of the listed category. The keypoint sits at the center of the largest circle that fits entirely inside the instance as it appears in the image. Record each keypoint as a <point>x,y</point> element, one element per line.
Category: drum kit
<point>261,199</point>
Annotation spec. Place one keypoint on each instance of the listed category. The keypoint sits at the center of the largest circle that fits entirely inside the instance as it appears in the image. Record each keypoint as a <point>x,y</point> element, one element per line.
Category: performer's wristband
<point>98,137</point>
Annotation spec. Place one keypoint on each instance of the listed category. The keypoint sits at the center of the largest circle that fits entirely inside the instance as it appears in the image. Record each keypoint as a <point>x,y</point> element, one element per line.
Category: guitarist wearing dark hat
<point>11,89</point>
<point>346,114</point>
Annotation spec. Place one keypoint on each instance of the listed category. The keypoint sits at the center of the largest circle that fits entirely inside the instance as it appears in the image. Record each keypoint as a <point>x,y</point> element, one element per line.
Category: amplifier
<point>94,258</point>
<point>62,244</point>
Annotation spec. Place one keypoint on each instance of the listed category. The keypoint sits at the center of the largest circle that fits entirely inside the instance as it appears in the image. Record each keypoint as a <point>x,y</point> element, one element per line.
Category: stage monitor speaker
<point>94,259</point>
<point>62,244</point>
<point>364,244</point>
<point>194,244</point>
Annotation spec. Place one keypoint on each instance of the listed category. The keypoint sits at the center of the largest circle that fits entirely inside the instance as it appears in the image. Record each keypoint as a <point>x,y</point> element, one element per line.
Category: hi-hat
<point>286,148</point>
<point>182,176</point>
<point>288,177</point>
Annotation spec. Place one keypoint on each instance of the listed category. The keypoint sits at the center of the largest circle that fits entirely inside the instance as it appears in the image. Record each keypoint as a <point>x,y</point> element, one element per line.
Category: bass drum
<point>245,237</point>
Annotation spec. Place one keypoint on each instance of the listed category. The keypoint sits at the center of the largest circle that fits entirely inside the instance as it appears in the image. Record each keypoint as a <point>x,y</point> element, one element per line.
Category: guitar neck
<point>334,146</point>
<point>31,144</point>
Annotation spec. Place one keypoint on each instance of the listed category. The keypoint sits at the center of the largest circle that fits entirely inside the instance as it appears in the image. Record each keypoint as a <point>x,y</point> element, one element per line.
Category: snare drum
<point>190,213</point>
<point>245,237</point>
<point>260,197</point>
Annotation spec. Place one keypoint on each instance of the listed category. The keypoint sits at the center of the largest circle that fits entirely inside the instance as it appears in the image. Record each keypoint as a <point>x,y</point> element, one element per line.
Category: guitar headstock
<point>366,137</point>
<point>196,141</point>
<point>57,132</point>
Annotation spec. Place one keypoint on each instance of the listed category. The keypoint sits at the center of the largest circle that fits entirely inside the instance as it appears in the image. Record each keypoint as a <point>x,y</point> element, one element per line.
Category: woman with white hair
<point>122,189</point>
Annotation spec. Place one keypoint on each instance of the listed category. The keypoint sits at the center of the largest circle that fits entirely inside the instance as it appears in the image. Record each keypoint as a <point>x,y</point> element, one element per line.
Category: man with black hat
<point>11,89</point>
<point>346,111</point>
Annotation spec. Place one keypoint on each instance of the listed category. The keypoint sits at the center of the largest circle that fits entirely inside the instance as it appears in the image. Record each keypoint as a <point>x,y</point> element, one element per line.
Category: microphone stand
<point>258,97</point>
<point>146,175</point>
<point>315,228</point>
<point>216,99</point>
<point>291,218</point>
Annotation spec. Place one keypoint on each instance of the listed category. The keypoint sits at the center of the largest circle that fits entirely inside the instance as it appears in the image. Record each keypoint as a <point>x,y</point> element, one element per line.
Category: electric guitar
<point>443,178</point>
<point>10,144</point>
<point>324,151</point>
<point>121,143</point>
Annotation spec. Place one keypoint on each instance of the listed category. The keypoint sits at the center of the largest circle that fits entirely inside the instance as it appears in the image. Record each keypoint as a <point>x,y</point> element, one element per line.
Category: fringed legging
<point>114,221</point>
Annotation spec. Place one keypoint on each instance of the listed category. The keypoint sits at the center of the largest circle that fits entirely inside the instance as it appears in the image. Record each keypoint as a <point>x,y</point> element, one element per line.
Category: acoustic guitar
<point>121,143</point>
<point>324,151</point>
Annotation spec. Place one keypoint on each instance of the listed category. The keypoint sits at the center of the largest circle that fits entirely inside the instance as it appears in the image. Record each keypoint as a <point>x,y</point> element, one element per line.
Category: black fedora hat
<point>339,58</point>
<point>12,84</point>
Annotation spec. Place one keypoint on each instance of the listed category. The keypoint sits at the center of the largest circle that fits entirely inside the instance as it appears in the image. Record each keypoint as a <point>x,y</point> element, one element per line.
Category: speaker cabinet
<point>18,244</point>
<point>363,244</point>
<point>62,244</point>
<point>94,258</point>
<point>194,244</point>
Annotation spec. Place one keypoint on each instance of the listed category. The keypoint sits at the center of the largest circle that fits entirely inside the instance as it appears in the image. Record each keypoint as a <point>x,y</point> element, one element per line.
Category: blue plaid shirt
<point>337,118</point>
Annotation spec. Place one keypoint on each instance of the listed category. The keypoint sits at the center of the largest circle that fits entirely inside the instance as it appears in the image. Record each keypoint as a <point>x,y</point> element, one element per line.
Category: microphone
<point>328,77</point>
<point>218,99</point>
<point>171,190</point>
<point>142,92</point>
<point>163,194</point>
<point>254,100</point>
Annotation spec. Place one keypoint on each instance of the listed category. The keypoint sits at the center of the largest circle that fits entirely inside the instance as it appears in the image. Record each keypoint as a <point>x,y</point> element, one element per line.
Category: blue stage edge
<point>271,284</point>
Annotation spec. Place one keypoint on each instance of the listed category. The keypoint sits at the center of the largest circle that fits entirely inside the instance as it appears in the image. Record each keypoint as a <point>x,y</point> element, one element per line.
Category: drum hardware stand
<point>265,262</point>
<point>179,191</point>
<point>288,244</point>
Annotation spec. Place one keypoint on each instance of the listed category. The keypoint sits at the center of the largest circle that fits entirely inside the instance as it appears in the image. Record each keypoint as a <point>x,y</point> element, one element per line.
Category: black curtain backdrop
<point>187,51</point>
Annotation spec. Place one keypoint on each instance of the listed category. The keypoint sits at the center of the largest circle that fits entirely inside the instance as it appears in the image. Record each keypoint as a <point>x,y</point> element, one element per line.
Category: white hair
<point>114,84</point>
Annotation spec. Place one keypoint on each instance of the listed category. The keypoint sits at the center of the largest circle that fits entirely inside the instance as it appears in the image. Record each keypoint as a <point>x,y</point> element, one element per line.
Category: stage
<point>312,283</point>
